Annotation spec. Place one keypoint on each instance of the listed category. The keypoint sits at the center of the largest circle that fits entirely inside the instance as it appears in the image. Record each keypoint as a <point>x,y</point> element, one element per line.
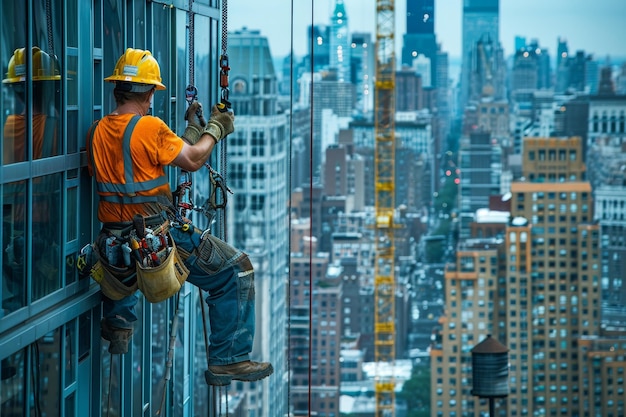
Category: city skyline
<point>602,36</point>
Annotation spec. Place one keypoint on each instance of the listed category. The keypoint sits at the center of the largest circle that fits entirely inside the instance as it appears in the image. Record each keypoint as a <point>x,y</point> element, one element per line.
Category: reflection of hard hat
<point>137,66</point>
<point>45,67</point>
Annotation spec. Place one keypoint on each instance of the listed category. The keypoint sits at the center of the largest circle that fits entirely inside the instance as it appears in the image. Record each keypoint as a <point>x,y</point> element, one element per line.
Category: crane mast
<point>384,177</point>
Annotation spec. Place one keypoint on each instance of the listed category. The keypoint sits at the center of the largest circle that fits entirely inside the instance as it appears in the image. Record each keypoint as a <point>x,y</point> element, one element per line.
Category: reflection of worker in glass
<point>43,102</point>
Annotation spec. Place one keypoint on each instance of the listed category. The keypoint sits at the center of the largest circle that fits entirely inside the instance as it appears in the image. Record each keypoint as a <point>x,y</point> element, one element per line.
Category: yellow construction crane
<point>384,156</point>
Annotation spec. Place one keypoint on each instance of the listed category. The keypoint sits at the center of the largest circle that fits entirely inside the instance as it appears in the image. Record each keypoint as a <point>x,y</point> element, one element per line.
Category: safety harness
<point>138,254</point>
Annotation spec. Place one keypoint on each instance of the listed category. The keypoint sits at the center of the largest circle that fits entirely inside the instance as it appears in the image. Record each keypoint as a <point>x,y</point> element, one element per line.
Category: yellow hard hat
<point>45,67</point>
<point>137,66</point>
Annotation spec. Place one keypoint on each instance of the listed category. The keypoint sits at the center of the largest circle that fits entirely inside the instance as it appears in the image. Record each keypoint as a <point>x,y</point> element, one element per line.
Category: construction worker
<point>214,266</point>
<point>43,103</point>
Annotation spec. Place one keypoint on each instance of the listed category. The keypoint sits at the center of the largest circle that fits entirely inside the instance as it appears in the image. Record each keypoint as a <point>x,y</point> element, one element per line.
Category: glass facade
<point>54,56</point>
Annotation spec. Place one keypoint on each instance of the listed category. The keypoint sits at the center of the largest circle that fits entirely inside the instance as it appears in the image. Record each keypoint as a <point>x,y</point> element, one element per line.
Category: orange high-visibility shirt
<point>14,145</point>
<point>153,145</point>
<point>14,150</point>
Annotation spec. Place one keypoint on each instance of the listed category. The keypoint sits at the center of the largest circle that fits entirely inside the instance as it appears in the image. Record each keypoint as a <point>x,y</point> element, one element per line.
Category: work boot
<point>241,371</point>
<point>117,337</point>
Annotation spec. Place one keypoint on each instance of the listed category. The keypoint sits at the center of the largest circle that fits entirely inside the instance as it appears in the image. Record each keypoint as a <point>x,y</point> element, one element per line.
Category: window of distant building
<point>257,143</point>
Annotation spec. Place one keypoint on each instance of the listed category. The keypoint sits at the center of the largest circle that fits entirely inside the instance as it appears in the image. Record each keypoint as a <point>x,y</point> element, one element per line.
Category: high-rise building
<point>420,16</point>
<point>310,372</point>
<point>620,87</point>
<point>414,132</point>
<point>420,38</point>
<point>331,98</point>
<point>562,66</point>
<point>362,71</point>
<point>488,71</point>
<point>553,269</point>
<point>531,69</point>
<point>471,315</point>
<point>319,46</point>
<point>494,117</point>
<point>481,19</point>
<point>480,165</point>
<point>258,152</point>
<point>409,92</point>
<point>610,204</point>
<point>340,42</point>
<point>578,71</point>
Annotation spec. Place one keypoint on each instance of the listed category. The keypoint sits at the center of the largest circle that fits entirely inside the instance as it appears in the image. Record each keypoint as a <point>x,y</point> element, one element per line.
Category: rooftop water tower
<point>490,371</point>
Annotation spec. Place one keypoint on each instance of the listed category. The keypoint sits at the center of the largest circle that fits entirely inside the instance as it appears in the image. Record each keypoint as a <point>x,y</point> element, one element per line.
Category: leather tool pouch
<point>160,282</point>
<point>154,266</point>
<point>116,282</point>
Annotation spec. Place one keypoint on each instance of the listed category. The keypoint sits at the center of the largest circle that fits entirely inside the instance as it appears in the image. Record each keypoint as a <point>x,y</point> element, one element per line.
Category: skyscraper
<point>362,64</point>
<point>420,36</point>
<point>480,163</point>
<point>553,280</point>
<point>481,19</point>
<point>257,152</point>
<point>420,16</point>
<point>531,68</point>
<point>340,42</point>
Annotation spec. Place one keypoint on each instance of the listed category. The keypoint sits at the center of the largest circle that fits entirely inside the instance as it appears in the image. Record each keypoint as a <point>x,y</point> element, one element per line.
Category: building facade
<point>53,359</point>
<point>258,156</point>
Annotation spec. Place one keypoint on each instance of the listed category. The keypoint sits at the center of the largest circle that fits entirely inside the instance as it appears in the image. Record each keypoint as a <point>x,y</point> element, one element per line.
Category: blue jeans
<point>226,274</point>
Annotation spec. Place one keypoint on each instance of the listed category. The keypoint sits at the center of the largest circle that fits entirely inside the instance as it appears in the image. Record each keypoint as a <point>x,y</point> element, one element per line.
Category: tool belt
<point>138,255</point>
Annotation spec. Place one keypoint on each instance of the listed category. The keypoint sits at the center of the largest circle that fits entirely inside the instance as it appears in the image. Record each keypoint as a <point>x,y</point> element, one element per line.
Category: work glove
<point>195,123</point>
<point>220,124</point>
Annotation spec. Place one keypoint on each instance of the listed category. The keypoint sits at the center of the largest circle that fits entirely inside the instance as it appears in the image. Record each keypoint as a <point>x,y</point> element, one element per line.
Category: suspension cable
<point>49,16</point>
<point>192,52</point>
<point>311,165</point>
<point>224,100</point>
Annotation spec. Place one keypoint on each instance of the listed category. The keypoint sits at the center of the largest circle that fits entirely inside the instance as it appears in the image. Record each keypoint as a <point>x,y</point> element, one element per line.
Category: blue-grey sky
<point>595,26</point>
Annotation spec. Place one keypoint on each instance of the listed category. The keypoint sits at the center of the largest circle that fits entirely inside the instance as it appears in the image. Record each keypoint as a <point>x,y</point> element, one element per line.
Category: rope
<point>192,51</point>
<point>110,383</point>
<point>49,26</point>
<point>170,353</point>
<point>206,337</point>
<point>224,93</point>
<point>224,26</point>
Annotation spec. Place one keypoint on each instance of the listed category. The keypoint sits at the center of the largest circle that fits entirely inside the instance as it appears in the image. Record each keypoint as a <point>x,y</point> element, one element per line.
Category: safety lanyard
<point>219,191</point>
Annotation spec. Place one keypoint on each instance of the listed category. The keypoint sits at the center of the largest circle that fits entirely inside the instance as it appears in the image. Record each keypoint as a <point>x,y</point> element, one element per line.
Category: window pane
<point>45,367</point>
<point>46,71</point>
<point>13,86</point>
<point>71,18</point>
<point>46,244</point>
<point>70,353</point>
<point>13,238</point>
<point>12,389</point>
